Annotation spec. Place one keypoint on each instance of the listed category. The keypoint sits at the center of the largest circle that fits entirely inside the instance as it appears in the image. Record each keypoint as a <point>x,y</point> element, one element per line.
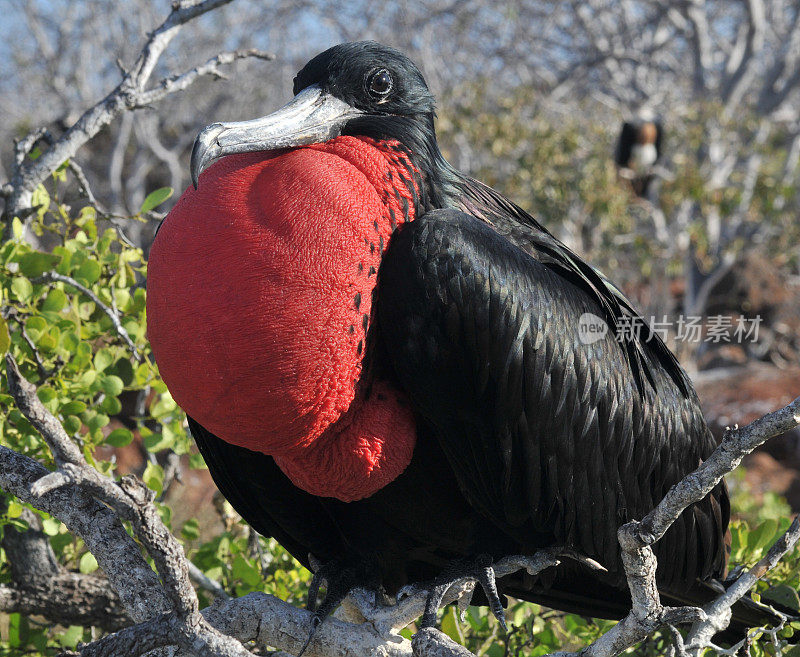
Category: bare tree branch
<point>211,67</point>
<point>718,612</point>
<point>737,443</point>
<point>99,527</point>
<point>131,93</point>
<point>132,501</point>
<point>68,599</point>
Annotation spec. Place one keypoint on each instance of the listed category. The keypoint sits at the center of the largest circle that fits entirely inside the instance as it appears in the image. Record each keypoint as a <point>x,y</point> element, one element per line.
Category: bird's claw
<point>339,577</point>
<point>480,571</point>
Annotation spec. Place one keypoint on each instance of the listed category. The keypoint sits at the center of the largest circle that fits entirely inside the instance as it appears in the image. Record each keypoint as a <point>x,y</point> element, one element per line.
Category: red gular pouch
<point>259,297</point>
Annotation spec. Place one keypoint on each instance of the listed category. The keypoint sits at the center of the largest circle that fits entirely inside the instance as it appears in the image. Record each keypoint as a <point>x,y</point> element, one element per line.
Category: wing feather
<point>543,432</point>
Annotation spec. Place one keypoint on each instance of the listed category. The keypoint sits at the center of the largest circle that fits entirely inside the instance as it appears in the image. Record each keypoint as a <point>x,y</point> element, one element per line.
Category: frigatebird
<point>383,360</point>
<point>638,149</point>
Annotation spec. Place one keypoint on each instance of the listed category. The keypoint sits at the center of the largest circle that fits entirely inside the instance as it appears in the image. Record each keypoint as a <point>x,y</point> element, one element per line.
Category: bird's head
<point>362,88</point>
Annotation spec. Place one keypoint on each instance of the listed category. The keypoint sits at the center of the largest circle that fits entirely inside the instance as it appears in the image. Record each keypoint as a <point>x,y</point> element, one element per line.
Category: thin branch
<point>205,582</point>
<point>24,393</point>
<point>718,611</point>
<point>86,190</point>
<point>67,599</point>
<point>735,445</point>
<point>699,38</point>
<point>211,68</point>
<point>129,94</point>
<point>44,373</point>
<point>737,84</point>
<point>53,277</point>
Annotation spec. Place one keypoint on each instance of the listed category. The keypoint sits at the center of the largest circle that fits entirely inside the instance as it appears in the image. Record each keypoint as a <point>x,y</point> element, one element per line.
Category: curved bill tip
<point>205,150</point>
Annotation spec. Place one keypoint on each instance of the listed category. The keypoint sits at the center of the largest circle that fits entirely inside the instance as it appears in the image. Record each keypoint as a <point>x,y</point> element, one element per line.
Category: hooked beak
<point>311,117</point>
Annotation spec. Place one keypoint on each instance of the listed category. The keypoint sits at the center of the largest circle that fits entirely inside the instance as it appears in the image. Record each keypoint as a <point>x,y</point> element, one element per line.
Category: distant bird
<point>383,362</point>
<point>638,149</point>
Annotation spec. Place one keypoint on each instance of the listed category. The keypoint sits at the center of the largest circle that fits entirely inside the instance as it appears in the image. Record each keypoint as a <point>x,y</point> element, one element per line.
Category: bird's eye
<point>380,83</point>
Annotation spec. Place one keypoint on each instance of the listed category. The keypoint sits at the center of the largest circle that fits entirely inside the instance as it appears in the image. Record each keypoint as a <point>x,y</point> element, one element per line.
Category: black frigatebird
<point>383,362</point>
<point>638,149</point>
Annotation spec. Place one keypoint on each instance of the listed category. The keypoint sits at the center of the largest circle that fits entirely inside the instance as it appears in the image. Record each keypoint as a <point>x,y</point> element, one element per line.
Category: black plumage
<point>527,436</point>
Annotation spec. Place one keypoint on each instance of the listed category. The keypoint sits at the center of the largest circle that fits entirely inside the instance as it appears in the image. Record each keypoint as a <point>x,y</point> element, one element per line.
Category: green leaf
<point>73,407</point>
<point>14,509</point>
<point>46,394</point>
<point>40,199</point>
<point>762,535</point>
<point>155,198</point>
<point>119,438</point>
<point>17,228</point>
<point>87,213</point>
<point>5,338</point>
<point>196,462</point>
<point>88,564</point>
<point>89,271</point>
<point>124,370</point>
<point>72,424</point>
<point>17,631</point>
<point>55,300</point>
<point>110,405</point>
<point>112,385</point>
<point>49,397</point>
<point>191,530</point>
<point>782,595</point>
<point>71,342</point>
<point>36,263</point>
<point>51,526</point>
<point>97,422</point>
<point>449,625</point>
<point>245,571</point>
<point>103,359</point>
<point>164,405</point>
<point>154,477</point>
<point>22,288</point>
<point>71,637</point>
<point>165,513</point>
<point>155,442</point>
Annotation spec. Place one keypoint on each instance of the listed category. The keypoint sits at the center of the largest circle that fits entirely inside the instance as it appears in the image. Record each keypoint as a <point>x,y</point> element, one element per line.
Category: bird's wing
<point>524,232</point>
<point>627,138</point>
<point>541,427</point>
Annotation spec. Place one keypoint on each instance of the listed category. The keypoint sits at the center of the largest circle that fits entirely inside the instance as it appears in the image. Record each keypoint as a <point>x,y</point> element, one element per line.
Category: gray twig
<point>211,67</point>
<point>718,611</point>
<point>113,315</point>
<point>130,94</point>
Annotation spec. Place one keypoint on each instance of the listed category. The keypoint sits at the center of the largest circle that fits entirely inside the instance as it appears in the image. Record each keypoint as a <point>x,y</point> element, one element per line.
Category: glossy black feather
<point>540,429</point>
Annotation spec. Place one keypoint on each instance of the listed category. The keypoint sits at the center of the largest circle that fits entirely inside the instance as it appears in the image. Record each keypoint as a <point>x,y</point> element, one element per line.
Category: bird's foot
<point>476,571</point>
<point>339,577</point>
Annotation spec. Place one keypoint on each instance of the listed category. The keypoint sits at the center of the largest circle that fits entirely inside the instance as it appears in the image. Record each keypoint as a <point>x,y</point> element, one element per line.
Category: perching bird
<point>383,364</point>
<point>638,149</point>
